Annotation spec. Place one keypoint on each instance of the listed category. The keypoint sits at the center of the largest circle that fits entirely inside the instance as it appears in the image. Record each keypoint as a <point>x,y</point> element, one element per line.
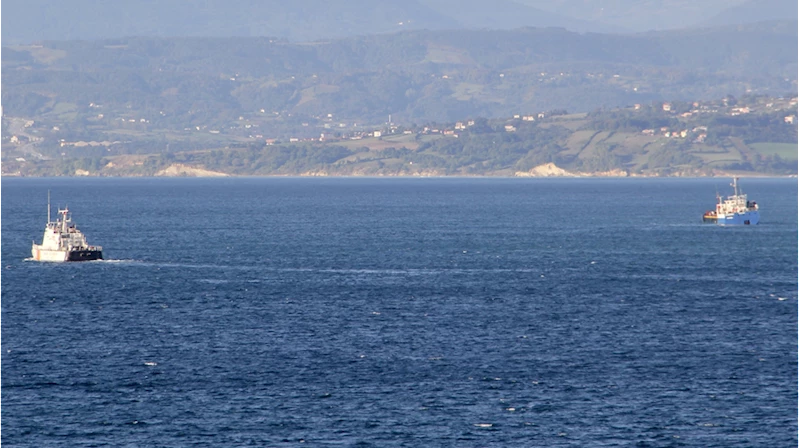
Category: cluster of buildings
<point>699,133</point>
<point>731,110</point>
<point>335,130</point>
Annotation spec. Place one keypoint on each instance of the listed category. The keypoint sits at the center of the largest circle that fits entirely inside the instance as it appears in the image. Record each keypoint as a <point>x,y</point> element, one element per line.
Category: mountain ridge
<point>413,75</point>
<point>30,21</point>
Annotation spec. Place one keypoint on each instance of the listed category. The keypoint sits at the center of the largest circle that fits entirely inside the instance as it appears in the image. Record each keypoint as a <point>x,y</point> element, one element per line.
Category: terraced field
<point>787,151</point>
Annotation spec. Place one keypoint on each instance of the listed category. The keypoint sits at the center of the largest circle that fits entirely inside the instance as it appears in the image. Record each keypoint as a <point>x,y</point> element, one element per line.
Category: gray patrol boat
<point>63,241</point>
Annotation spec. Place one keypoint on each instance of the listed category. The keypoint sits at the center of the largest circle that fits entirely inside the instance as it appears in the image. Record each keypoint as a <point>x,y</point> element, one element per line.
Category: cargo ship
<point>734,210</point>
<point>63,241</point>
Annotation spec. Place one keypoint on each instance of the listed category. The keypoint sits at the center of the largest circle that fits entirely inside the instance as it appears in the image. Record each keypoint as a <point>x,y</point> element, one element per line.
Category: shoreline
<point>454,176</point>
<point>547,170</point>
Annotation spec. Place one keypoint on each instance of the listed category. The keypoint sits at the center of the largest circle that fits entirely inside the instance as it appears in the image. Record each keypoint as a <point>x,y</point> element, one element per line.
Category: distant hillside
<point>648,15</point>
<point>751,135</point>
<point>754,11</point>
<point>636,15</point>
<point>510,14</point>
<point>413,76</point>
<point>28,21</point>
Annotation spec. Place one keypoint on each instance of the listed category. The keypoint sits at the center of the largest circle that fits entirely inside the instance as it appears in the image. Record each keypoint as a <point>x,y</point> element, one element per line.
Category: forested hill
<point>419,75</point>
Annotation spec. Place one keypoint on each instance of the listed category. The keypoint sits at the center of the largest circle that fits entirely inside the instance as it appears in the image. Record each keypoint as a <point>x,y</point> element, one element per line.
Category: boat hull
<point>85,255</point>
<point>739,219</point>
<point>40,254</point>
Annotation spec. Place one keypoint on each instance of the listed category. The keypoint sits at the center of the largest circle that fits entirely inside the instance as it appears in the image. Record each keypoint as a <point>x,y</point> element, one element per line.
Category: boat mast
<point>735,185</point>
<point>48,206</point>
<point>64,219</point>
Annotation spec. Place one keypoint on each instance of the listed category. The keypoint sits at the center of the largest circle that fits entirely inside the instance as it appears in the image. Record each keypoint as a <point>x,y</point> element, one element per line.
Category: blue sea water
<point>401,312</point>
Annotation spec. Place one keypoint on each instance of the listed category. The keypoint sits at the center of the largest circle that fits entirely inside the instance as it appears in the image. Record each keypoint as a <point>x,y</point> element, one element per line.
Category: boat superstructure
<point>63,241</point>
<point>734,210</point>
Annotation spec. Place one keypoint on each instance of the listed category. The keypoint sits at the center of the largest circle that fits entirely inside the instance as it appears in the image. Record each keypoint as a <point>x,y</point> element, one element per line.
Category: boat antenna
<point>48,206</point>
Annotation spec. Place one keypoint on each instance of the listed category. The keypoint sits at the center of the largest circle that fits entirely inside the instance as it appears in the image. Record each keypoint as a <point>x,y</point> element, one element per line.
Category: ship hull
<point>85,255</point>
<point>40,254</point>
<point>739,219</point>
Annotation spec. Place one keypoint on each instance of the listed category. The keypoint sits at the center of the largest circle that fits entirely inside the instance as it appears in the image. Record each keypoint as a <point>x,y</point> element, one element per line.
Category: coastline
<point>405,176</point>
<point>547,170</point>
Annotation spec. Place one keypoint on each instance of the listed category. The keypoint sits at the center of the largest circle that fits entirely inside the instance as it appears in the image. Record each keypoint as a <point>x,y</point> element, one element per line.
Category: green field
<point>787,151</point>
<point>465,91</point>
<point>389,141</point>
<point>730,156</point>
<point>445,54</point>
<point>65,112</point>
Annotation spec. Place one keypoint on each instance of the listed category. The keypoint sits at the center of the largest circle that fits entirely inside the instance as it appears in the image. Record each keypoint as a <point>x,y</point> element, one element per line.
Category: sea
<point>400,312</point>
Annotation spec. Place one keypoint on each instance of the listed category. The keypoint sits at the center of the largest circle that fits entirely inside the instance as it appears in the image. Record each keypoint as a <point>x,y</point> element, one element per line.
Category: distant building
<point>510,128</point>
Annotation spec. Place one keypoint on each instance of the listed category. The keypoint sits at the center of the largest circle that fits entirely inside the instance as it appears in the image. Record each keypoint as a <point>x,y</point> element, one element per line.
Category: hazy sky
<point>25,21</point>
